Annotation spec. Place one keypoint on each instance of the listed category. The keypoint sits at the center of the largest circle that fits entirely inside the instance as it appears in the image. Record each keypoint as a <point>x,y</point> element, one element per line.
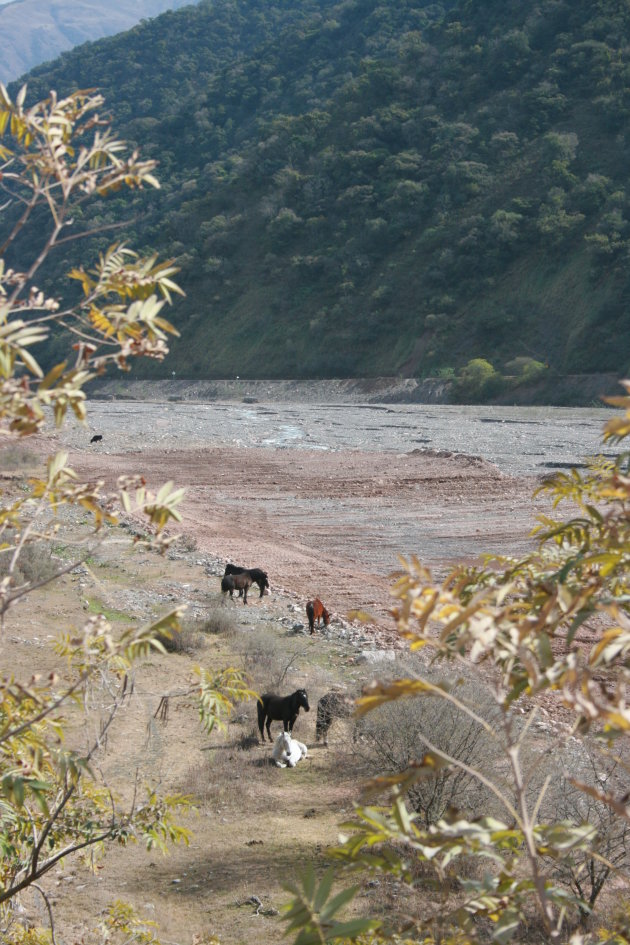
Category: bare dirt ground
<point>328,525</point>
<point>333,525</point>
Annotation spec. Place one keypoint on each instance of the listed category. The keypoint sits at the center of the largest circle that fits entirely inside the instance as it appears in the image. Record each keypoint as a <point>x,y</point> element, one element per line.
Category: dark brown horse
<point>315,611</point>
<point>236,582</point>
<point>257,575</point>
<point>333,705</point>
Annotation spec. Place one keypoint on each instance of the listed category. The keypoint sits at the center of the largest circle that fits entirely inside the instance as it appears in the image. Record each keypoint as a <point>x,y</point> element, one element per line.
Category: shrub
<point>477,381</point>
<point>220,620</point>
<point>16,457</point>
<point>34,564</point>
<point>548,636</point>
<point>187,639</point>
<point>526,369</point>
<point>394,736</point>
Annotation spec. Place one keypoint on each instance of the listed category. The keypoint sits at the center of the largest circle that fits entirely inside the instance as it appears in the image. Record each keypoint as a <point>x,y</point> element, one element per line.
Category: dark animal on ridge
<point>236,582</point>
<point>315,610</point>
<point>96,438</point>
<point>257,575</point>
<point>285,709</point>
<point>333,705</point>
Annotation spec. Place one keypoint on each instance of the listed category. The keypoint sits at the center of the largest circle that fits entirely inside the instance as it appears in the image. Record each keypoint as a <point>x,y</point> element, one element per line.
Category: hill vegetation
<point>36,30</point>
<point>363,188</point>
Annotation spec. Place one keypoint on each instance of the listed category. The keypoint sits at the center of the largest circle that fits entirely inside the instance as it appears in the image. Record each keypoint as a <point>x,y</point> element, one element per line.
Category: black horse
<point>257,575</point>
<point>285,709</point>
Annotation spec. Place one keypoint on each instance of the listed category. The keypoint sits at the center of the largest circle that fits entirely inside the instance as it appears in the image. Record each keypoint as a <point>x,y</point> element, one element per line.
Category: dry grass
<point>187,639</point>
<point>16,457</point>
<point>219,621</point>
<point>34,564</point>
<point>255,826</point>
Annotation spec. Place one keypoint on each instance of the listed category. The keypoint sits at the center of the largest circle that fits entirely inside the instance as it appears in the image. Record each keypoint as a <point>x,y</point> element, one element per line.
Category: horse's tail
<point>310,613</point>
<point>262,711</point>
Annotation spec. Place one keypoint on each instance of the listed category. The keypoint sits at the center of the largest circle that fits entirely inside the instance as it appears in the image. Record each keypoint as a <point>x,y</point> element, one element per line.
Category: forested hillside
<point>370,187</point>
<point>36,30</point>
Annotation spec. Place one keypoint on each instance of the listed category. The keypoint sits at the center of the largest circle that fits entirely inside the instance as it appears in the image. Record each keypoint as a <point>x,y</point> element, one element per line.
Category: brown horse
<point>315,610</point>
<point>236,582</point>
<point>257,575</point>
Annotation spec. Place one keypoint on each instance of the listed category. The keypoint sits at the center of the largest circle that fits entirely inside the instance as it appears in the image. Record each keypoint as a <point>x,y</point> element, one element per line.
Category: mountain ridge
<point>38,30</point>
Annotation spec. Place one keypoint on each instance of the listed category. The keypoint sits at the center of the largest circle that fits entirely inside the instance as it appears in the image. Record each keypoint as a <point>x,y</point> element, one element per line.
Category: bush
<point>187,639</point>
<point>16,457</point>
<point>395,736</point>
<point>548,637</point>
<point>35,565</point>
<point>477,382</point>
<point>219,621</point>
<point>526,369</point>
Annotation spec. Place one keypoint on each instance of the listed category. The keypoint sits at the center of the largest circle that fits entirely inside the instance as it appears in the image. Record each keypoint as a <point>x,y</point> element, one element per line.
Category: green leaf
<point>352,928</point>
<point>506,927</point>
<point>338,902</point>
<point>309,882</point>
<point>324,889</point>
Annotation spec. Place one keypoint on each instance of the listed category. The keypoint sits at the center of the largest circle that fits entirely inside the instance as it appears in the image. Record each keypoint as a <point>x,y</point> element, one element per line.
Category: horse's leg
<point>268,730</point>
<point>244,595</point>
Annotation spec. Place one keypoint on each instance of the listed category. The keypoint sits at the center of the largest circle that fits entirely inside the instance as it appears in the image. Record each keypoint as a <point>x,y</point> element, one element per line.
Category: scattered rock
<point>375,656</point>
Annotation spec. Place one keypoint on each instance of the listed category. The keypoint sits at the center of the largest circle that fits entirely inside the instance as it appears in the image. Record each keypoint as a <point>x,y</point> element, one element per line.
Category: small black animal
<point>96,438</point>
<point>236,582</point>
<point>285,709</point>
<point>257,575</point>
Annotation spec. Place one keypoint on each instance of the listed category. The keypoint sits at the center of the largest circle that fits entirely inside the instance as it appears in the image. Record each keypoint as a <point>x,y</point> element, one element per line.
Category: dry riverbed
<point>328,524</point>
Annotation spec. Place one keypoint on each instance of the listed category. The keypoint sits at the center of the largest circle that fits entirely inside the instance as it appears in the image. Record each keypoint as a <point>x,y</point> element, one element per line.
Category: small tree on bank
<point>54,156</point>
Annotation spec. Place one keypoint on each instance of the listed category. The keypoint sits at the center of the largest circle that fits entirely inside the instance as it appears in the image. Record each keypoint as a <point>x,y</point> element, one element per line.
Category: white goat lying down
<point>287,751</point>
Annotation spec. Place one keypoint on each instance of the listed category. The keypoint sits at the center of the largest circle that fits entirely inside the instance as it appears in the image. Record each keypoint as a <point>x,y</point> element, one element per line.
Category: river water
<point>521,441</point>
